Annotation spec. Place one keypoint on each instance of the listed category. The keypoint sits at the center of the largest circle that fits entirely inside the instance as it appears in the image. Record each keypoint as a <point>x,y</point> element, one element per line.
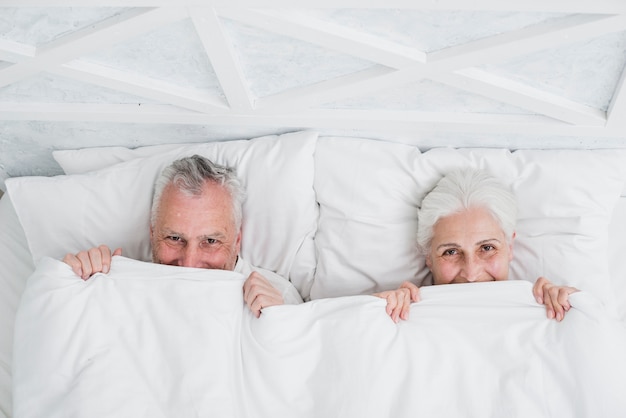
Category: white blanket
<point>158,341</point>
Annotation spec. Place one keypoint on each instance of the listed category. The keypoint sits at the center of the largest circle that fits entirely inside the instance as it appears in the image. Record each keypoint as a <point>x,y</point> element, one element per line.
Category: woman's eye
<point>450,251</point>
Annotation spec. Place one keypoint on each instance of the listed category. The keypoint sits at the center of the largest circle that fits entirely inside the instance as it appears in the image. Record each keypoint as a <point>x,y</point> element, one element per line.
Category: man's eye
<point>174,238</point>
<point>211,241</point>
<point>450,251</point>
<point>488,247</point>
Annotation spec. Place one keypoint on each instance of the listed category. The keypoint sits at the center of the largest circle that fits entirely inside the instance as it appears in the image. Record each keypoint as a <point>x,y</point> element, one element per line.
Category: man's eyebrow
<point>167,231</point>
<point>215,235</point>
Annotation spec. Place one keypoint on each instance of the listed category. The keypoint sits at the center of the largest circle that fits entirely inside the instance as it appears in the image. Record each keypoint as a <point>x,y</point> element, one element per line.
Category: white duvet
<point>159,341</point>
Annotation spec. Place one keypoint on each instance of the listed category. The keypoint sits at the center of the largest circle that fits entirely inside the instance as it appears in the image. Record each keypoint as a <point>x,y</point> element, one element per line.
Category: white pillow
<point>77,161</point>
<point>369,193</point>
<point>368,197</point>
<point>111,206</point>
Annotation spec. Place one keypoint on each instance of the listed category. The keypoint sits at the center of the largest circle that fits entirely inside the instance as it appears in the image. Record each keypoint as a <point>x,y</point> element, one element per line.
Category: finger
<point>563,298</point>
<point>538,289</point>
<point>259,294</point>
<point>263,301</point>
<point>416,295</point>
<point>392,302</point>
<point>555,297</point>
<point>406,307</point>
<point>252,287</point>
<point>403,304</point>
<point>548,303</point>
<point>413,289</point>
<point>118,251</point>
<point>103,257</point>
<point>255,307</point>
<point>558,296</point>
<point>95,258</point>
<point>397,310</point>
<point>74,263</point>
<point>85,264</point>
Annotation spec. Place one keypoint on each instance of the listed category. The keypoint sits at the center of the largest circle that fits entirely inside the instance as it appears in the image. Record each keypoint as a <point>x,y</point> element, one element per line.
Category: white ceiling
<point>516,74</point>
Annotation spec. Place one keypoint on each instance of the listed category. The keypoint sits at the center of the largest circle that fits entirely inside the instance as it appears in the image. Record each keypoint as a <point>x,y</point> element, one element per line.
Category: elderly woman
<point>466,228</point>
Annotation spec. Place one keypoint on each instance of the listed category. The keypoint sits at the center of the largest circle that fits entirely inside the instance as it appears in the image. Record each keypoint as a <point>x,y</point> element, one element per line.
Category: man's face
<point>196,231</point>
<point>469,246</point>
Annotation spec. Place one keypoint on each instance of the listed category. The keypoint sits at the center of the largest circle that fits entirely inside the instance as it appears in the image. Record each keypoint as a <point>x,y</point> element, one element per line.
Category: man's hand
<point>399,300</point>
<point>95,260</point>
<point>556,298</point>
<point>258,293</point>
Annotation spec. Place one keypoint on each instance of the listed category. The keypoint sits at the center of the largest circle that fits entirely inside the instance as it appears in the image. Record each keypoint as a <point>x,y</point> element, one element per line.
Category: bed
<point>337,216</point>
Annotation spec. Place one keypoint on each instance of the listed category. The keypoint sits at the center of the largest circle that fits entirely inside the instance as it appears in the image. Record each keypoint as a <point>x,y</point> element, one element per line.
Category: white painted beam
<point>525,97</point>
<point>222,57</point>
<point>498,48</point>
<point>616,114</point>
<point>141,86</point>
<point>385,121</point>
<point>328,35</point>
<point>11,51</point>
<point>107,77</point>
<point>558,6</point>
<point>101,34</point>
<point>3,177</point>
<point>550,35</point>
<point>351,85</point>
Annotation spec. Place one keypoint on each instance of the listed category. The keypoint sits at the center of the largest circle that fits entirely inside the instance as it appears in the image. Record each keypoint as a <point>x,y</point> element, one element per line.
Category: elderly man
<point>196,221</point>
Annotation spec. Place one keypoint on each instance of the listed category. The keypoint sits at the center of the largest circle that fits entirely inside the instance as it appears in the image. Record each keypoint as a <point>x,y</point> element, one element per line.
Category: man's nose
<point>191,257</point>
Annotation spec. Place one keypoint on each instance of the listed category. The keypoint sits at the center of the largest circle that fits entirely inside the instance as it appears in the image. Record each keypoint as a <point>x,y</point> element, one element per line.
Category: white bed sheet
<point>160,341</point>
<point>15,266</point>
<point>617,260</point>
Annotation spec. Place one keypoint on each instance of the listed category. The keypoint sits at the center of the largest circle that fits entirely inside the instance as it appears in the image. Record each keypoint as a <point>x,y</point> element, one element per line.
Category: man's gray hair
<point>189,175</point>
<point>461,190</point>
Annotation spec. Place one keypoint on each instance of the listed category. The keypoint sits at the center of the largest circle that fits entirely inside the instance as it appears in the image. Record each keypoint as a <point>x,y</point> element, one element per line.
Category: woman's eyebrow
<point>488,240</point>
<point>447,245</point>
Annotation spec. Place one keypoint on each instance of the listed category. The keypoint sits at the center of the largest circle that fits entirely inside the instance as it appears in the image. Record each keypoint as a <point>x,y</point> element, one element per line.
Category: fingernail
<point>105,269</point>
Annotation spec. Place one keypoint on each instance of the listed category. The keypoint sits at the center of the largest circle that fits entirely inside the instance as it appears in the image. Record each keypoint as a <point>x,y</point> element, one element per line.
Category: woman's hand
<point>399,300</point>
<point>556,298</point>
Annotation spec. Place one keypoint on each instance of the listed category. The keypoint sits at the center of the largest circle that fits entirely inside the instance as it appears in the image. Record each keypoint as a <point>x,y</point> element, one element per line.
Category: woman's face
<point>469,246</point>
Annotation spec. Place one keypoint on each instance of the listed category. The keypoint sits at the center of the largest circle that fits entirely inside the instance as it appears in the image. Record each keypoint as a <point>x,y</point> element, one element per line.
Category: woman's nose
<point>471,270</point>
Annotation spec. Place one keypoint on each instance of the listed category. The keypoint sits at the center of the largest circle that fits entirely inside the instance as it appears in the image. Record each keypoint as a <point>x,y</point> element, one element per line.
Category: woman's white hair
<point>189,175</point>
<point>461,190</point>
